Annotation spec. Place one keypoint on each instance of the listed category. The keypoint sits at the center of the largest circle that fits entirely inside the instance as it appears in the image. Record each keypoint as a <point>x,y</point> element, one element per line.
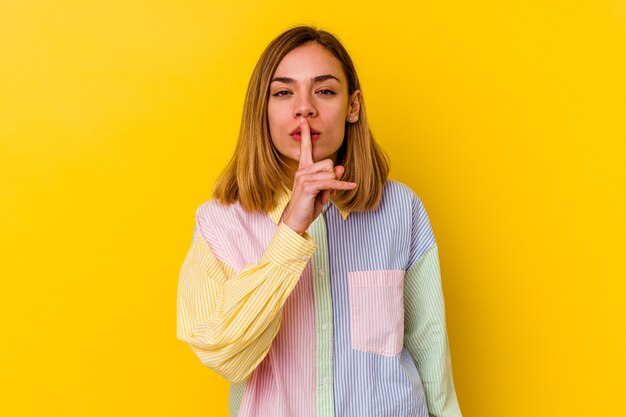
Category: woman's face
<point>309,82</point>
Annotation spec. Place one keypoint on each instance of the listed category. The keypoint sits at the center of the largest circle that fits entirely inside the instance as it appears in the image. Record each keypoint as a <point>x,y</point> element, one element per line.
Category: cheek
<point>276,116</point>
<point>340,113</point>
<point>338,120</point>
<point>271,121</point>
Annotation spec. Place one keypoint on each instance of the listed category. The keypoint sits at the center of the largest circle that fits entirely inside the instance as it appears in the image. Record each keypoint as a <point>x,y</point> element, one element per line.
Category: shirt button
<point>325,380</point>
<point>321,274</point>
<point>324,327</point>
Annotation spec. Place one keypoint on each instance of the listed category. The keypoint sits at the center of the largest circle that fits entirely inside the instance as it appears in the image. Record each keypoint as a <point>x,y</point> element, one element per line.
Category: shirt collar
<point>283,199</point>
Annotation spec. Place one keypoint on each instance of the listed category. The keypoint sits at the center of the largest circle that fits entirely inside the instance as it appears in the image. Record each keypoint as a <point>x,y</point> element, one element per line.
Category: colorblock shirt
<point>346,320</point>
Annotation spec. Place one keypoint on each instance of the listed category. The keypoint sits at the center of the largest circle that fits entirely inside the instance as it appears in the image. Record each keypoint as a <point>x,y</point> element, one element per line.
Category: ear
<point>354,107</point>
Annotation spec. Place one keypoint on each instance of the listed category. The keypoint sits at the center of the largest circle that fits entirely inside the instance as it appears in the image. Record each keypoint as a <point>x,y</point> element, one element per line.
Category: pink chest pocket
<point>377,311</point>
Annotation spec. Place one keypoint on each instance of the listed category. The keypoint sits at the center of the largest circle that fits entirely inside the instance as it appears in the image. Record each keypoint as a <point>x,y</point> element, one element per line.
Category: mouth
<point>315,134</point>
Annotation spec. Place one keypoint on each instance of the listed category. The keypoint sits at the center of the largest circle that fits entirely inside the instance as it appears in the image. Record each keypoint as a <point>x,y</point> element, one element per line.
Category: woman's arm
<point>229,320</point>
<point>425,335</point>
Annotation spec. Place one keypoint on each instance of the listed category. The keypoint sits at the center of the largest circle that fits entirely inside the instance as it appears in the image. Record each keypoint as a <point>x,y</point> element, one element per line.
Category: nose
<point>304,106</point>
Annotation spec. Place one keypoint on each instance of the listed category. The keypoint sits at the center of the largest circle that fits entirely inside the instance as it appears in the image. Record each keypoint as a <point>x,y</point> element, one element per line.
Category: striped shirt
<point>347,320</point>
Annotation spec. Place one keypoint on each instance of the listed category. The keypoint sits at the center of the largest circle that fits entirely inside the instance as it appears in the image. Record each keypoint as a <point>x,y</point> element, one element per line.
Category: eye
<point>326,92</point>
<point>281,93</point>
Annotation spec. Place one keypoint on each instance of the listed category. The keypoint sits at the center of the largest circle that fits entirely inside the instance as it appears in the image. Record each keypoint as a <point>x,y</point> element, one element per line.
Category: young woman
<point>312,283</point>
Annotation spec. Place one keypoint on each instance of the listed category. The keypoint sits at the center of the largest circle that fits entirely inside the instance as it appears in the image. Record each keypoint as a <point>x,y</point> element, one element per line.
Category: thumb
<point>339,170</point>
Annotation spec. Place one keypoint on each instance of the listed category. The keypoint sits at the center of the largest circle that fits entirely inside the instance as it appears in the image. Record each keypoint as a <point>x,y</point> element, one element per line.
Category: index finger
<point>306,151</point>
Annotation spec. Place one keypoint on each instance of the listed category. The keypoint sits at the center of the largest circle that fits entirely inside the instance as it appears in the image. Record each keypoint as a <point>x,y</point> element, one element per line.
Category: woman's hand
<point>312,185</point>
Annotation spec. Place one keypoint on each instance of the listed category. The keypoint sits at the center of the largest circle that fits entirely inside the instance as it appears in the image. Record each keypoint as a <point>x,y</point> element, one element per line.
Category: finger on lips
<point>306,152</point>
<point>314,171</point>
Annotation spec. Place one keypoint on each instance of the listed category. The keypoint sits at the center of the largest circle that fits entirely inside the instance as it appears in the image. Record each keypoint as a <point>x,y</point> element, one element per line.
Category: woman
<point>312,283</point>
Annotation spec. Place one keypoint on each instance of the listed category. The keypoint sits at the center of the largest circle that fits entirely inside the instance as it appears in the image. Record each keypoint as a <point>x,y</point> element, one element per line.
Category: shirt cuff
<point>290,250</point>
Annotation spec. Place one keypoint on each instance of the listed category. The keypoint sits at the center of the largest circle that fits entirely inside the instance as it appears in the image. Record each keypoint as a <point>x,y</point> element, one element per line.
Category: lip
<point>315,134</point>
<point>298,138</point>
<point>297,130</point>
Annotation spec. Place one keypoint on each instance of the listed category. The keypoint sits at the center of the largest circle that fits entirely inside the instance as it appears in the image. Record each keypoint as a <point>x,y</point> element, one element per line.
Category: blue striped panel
<point>390,238</point>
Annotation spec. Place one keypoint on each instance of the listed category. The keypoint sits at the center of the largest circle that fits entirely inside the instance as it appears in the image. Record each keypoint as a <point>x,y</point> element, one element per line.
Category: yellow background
<point>507,118</point>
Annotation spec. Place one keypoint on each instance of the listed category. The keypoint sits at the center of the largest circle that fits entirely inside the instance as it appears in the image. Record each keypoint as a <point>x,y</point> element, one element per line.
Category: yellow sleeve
<point>229,320</point>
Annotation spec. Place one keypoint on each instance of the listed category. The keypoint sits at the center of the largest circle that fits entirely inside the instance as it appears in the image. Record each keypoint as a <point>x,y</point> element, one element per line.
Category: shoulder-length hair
<point>255,177</point>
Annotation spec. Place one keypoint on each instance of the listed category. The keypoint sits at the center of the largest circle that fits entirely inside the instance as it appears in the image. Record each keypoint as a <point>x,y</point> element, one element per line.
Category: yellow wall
<point>507,118</point>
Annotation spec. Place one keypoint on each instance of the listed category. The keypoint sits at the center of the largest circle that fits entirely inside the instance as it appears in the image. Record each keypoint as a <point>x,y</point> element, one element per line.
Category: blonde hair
<point>255,177</point>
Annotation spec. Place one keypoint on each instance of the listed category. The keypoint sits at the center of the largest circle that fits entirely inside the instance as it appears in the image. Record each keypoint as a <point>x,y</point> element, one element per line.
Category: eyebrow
<point>318,79</point>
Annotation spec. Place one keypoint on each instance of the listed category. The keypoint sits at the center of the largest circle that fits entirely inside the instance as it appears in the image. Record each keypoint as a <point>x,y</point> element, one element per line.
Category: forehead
<point>308,61</point>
